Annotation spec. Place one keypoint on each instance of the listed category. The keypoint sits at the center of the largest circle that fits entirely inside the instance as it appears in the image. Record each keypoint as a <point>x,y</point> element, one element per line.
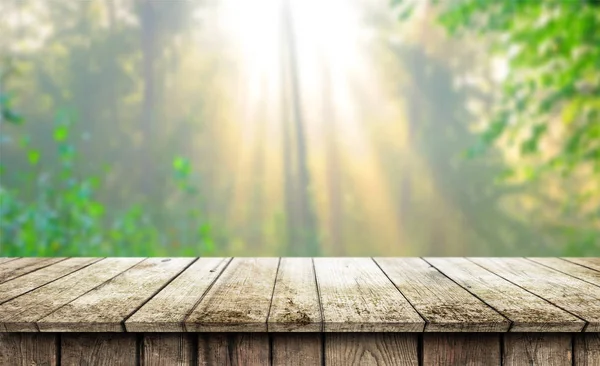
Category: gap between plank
<point>272,294</point>
<point>187,315</point>
<point>565,273</point>
<point>415,309</point>
<point>35,270</point>
<point>510,322</point>
<point>586,323</point>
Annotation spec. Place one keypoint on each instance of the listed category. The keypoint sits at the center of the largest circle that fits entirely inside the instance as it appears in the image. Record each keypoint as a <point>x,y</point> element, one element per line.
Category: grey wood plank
<point>571,294</point>
<point>293,349</point>
<point>105,308</point>
<point>529,313</point>
<point>530,349</point>
<point>461,349</point>
<point>21,313</point>
<point>371,349</point>
<point>106,349</point>
<point>166,311</point>
<point>295,305</point>
<point>239,300</point>
<point>593,263</point>
<point>20,285</point>
<point>445,306</point>
<point>21,266</point>
<point>572,269</point>
<point>586,349</point>
<point>233,349</point>
<point>169,349</point>
<point>356,296</point>
<point>26,349</point>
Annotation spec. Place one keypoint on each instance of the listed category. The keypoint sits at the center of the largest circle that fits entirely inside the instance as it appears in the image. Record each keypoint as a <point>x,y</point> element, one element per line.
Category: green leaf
<point>33,156</point>
<point>61,133</point>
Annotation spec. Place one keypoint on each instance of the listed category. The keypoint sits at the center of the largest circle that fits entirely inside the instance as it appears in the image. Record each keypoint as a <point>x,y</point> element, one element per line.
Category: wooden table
<point>300,311</point>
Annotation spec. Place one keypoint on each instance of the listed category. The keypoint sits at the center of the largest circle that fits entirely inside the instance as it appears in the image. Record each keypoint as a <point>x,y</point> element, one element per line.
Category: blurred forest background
<point>299,127</point>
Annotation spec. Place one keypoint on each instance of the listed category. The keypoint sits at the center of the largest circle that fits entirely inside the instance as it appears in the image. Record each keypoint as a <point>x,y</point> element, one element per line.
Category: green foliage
<point>64,218</point>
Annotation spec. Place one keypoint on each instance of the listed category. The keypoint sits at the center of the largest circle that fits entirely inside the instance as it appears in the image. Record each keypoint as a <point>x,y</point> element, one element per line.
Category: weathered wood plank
<point>26,349</point>
<point>297,349</point>
<point>169,349</point>
<point>571,294</point>
<point>528,312</point>
<point>21,266</point>
<point>7,259</point>
<point>239,300</point>
<point>529,349</point>
<point>445,306</point>
<point>461,349</point>
<point>572,269</point>
<point>105,308</point>
<point>371,349</point>
<point>356,296</point>
<point>21,313</point>
<point>20,285</point>
<point>593,263</point>
<point>106,349</point>
<point>295,305</point>
<point>587,349</point>
<point>166,311</point>
<point>233,349</point>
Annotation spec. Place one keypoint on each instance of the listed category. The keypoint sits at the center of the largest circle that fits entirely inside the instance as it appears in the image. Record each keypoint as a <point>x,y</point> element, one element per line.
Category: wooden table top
<point>300,294</point>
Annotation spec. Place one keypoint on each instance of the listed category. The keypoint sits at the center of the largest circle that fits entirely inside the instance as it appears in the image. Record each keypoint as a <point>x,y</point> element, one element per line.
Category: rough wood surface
<point>168,349</point>
<point>105,308</point>
<point>445,306</point>
<point>526,349</point>
<point>15,268</point>
<point>7,259</point>
<point>572,269</point>
<point>292,349</point>
<point>167,310</point>
<point>593,263</point>
<point>295,304</point>
<point>371,349</point>
<point>21,313</point>
<point>529,313</point>
<point>20,285</point>
<point>587,349</point>
<point>27,349</point>
<point>233,349</point>
<point>106,349</point>
<point>571,294</point>
<point>356,296</point>
<point>239,300</point>
<point>454,349</point>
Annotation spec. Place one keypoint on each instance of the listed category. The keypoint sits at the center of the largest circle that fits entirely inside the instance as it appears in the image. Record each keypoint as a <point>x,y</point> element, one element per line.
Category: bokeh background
<point>299,127</point>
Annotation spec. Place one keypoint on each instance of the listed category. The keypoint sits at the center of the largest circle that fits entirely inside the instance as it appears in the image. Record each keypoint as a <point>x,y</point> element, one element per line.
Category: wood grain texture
<point>593,263</point>
<point>105,308</point>
<point>7,259</point>
<point>26,349</point>
<point>461,349</point>
<point>371,349</point>
<point>166,311</point>
<point>294,349</point>
<point>357,297</point>
<point>295,304</point>
<point>168,349</point>
<point>528,349</point>
<point>572,269</point>
<point>233,349</point>
<point>15,268</point>
<point>445,306</point>
<point>22,313</point>
<point>20,285</point>
<point>528,312</point>
<point>239,300</point>
<point>106,349</point>
<point>586,349</point>
<point>571,294</point>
